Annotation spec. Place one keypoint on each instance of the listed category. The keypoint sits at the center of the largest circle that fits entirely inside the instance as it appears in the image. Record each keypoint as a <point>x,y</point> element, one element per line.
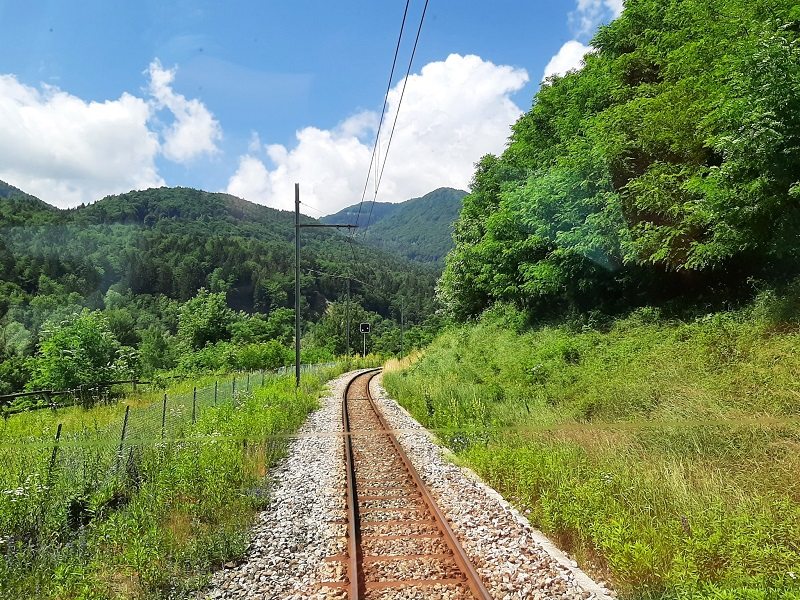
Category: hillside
<point>660,451</point>
<point>623,365</point>
<point>667,167</point>
<point>420,229</point>
<point>140,258</point>
<point>19,208</point>
<point>172,241</point>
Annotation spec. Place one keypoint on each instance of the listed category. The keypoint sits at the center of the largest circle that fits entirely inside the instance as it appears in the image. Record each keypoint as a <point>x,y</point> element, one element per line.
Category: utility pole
<point>401,327</point>
<point>297,227</point>
<point>297,285</point>
<point>347,317</point>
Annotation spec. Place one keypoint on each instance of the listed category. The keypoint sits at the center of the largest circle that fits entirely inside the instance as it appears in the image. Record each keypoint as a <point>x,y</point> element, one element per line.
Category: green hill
<point>18,208</point>
<point>173,241</point>
<point>420,229</point>
<point>141,256</point>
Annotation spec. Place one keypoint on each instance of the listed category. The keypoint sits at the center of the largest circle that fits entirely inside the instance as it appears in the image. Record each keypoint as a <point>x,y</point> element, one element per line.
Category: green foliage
<point>141,256</point>
<point>279,325</point>
<point>175,511</point>
<point>419,229</point>
<point>205,319</point>
<point>660,451</point>
<point>81,350</point>
<point>668,162</point>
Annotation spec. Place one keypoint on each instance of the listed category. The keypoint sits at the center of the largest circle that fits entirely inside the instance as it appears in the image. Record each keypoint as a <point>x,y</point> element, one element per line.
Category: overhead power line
<point>396,114</point>
<point>383,111</point>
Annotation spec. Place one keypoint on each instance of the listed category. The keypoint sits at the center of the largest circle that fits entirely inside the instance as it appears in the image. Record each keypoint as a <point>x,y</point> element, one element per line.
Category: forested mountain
<point>141,257</point>
<point>18,208</point>
<point>420,229</point>
<point>669,165</point>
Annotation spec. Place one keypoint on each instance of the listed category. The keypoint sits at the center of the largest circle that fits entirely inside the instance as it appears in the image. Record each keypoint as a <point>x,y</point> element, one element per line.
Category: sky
<point>101,97</point>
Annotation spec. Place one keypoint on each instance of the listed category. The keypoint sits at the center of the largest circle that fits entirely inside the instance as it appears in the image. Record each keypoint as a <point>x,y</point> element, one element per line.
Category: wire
<point>307,205</point>
<point>396,114</point>
<point>383,112</point>
<point>323,273</point>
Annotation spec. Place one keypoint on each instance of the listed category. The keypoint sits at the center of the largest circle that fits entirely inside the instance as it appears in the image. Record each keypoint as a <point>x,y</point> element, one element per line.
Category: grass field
<point>663,453</point>
<point>153,520</point>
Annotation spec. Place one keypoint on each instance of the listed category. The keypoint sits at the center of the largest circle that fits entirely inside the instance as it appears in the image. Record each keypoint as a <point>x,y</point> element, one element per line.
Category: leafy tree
<point>205,319</point>
<point>668,165</point>
<point>78,351</point>
<point>157,351</point>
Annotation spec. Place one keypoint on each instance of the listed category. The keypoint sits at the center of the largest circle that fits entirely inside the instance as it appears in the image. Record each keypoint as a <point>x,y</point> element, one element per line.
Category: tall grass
<point>665,454</point>
<point>154,520</point>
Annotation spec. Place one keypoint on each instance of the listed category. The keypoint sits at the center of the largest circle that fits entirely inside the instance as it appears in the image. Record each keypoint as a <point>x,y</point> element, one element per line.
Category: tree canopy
<point>670,162</point>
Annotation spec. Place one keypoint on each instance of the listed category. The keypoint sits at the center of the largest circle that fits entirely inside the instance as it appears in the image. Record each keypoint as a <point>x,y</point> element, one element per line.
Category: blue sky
<point>101,97</point>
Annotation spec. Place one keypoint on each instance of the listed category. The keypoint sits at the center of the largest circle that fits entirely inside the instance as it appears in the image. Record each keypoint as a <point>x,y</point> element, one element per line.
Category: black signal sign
<point>363,328</point>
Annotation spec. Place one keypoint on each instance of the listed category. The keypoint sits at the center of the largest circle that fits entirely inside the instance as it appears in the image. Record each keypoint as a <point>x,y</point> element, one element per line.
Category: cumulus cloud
<point>454,111</point>
<point>67,150</point>
<point>568,58</point>
<point>589,14</point>
<point>194,131</point>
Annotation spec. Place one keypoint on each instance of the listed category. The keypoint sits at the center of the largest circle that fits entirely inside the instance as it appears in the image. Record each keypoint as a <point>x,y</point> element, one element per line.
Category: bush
<point>79,351</point>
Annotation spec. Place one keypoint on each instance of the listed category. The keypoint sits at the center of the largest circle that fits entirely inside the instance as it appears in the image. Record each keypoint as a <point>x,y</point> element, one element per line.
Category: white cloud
<point>615,6</point>
<point>568,58</point>
<point>590,14</point>
<point>194,131</point>
<point>454,111</point>
<point>67,151</point>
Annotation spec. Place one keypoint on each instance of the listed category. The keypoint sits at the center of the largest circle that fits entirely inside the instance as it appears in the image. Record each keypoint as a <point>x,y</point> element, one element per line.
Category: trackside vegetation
<point>662,452</point>
<point>155,519</point>
<point>624,359</point>
<point>668,166</point>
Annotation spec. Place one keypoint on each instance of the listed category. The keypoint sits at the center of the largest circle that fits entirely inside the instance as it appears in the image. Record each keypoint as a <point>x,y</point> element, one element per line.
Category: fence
<point>83,395</point>
<point>87,395</point>
<point>50,482</point>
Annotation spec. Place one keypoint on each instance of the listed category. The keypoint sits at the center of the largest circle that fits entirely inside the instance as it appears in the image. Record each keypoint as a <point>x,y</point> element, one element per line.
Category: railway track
<point>399,545</point>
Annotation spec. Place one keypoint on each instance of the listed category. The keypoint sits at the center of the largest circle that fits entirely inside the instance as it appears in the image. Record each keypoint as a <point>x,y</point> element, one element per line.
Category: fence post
<point>122,436</point>
<point>247,387</point>
<point>164,416</point>
<point>233,390</point>
<point>53,455</point>
<point>216,383</point>
<point>134,386</point>
<point>262,377</point>
<point>194,405</point>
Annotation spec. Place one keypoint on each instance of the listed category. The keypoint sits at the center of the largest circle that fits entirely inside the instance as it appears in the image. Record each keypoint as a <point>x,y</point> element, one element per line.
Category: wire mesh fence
<point>61,469</point>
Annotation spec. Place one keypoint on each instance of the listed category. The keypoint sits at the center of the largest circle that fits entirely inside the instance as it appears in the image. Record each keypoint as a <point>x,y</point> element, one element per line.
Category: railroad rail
<point>399,545</point>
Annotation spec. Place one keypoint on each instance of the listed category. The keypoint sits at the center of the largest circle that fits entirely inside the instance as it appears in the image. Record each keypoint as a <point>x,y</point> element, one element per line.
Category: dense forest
<point>667,167</point>
<point>420,229</point>
<point>169,274</point>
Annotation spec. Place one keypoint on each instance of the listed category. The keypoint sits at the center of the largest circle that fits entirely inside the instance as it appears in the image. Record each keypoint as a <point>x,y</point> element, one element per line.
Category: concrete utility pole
<point>297,227</point>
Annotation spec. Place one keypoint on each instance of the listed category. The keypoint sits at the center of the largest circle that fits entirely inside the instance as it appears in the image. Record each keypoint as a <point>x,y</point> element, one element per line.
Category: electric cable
<point>383,111</point>
<point>396,114</point>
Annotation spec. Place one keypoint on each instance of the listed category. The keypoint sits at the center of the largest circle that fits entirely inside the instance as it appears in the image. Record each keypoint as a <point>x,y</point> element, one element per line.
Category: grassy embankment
<point>154,520</point>
<point>664,454</point>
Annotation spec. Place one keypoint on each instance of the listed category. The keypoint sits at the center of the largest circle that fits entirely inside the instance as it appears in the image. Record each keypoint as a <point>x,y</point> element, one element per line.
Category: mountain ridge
<point>419,228</point>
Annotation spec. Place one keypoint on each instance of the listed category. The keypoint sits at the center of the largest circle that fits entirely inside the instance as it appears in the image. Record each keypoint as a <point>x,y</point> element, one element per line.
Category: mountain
<point>17,207</point>
<point>351,214</point>
<point>420,229</point>
<point>172,241</point>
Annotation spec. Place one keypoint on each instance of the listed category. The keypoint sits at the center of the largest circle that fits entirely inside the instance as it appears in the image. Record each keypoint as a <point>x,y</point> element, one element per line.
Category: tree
<point>80,350</point>
<point>205,319</point>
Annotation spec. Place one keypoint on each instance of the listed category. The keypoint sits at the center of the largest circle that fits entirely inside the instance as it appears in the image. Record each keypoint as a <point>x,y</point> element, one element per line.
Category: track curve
<point>399,543</point>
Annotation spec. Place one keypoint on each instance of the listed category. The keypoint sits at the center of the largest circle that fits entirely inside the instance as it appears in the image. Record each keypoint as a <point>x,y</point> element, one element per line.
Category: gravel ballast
<point>305,519</point>
<point>304,523</point>
<point>514,560</point>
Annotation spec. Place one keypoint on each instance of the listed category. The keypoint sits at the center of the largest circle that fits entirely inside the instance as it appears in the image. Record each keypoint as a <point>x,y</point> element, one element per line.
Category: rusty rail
<point>357,583</point>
